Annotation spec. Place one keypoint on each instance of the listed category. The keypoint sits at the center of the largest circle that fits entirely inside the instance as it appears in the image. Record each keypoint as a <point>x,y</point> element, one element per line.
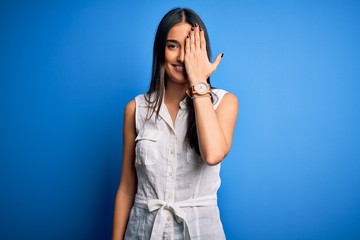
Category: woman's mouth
<point>179,68</point>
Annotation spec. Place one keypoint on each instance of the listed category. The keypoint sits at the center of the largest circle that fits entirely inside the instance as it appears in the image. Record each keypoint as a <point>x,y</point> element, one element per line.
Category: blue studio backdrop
<point>68,68</point>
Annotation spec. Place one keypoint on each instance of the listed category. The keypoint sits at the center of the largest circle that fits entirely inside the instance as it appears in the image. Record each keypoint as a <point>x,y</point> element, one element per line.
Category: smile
<point>179,68</point>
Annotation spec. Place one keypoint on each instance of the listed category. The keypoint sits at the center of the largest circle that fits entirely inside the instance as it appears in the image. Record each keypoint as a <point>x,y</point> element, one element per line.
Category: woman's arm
<point>128,183</point>
<point>214,128</point>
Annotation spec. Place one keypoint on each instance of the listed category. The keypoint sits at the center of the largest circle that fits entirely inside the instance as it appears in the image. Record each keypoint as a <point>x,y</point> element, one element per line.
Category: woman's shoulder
<point>139,100</point>
<point>143,100</point>
<point>220,95</point>
<point>130,107</point>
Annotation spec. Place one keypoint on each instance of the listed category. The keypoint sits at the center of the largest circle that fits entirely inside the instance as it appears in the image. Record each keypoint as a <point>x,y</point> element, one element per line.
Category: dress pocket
<point>146,149</point>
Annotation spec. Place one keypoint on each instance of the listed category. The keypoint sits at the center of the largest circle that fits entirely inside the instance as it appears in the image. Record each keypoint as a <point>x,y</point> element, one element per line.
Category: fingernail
<point>192,29</point>
<point>187,36</point>
<point>196,25</point>
<point>200,29</point>
<point>222,54</point>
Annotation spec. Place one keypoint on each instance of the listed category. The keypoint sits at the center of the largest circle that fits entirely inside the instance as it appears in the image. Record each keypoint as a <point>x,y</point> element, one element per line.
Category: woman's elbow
<point>213,158</point>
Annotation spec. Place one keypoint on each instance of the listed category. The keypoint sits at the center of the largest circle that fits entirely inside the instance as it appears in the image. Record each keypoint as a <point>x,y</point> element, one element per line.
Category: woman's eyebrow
<point>172,40</point>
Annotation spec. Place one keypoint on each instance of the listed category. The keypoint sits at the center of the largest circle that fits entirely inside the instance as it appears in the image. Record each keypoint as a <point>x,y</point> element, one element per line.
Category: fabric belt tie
<point>175,209</point>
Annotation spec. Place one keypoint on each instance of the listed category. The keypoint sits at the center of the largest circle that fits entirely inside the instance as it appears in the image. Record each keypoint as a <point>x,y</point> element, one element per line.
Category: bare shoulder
<point>229,102</point>
<point>130,108</point>
<point>230,98</point>
<point>129,118</point>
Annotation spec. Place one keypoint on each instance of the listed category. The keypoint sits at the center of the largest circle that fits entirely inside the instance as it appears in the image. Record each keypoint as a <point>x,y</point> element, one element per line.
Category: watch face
<point>201,88</point>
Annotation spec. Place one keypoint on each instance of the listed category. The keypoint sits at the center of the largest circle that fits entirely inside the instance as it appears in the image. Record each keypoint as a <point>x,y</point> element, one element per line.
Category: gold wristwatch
<point>199,88</point>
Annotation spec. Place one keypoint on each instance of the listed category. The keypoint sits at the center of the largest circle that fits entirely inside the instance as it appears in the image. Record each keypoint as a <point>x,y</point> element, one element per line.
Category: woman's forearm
<point>215,128</point>
<point>123,204</point>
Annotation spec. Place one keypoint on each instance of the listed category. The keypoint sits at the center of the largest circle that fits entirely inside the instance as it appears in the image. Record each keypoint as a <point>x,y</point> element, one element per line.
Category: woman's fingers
<point>217,61</point>
<point>197,63</point>
<point>197,36</point>
<point>202,40</point>
<point>187,44</point>
<point>192,39</point>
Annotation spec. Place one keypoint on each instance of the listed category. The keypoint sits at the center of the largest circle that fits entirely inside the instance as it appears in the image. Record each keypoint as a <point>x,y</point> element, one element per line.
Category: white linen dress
<point>177,191</point>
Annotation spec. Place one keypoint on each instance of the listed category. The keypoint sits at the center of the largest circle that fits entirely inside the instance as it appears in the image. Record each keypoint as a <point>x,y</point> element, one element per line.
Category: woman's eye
<point>172,46</point>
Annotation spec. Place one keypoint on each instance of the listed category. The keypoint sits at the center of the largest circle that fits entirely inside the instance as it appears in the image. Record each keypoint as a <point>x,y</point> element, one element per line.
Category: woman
<point>175,136</point>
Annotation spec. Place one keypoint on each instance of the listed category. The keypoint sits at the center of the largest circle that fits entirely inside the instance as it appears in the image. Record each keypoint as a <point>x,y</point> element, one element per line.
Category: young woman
<point>175,137</point>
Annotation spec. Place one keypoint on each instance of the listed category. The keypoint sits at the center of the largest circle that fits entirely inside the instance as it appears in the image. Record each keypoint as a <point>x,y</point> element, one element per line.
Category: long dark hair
<point>158,82</point>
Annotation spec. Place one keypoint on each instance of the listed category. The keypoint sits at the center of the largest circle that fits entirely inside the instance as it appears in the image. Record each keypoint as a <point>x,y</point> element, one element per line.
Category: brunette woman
<point>175,137</point>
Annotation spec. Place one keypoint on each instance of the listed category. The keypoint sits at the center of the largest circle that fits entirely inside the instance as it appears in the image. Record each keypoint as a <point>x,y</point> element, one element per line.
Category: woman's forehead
<point>179,30</point>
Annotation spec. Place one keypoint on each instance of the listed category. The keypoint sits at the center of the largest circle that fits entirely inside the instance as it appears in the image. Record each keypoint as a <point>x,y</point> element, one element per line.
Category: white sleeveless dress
<point>177,192</point>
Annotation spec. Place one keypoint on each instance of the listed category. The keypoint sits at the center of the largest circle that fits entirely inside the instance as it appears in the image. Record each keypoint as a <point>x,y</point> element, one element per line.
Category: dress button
<point>172,151</point>
<point>168,218</point>
<point>170,174</point>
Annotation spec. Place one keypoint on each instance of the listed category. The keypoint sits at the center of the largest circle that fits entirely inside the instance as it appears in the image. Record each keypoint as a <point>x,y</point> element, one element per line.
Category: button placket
<point>170,179</point>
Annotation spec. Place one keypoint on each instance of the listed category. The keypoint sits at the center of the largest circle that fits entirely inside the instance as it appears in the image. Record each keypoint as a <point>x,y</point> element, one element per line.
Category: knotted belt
<point>175,209</point>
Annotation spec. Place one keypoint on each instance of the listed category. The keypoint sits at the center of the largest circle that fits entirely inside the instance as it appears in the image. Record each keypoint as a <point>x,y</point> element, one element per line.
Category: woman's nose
<point>181,55</point>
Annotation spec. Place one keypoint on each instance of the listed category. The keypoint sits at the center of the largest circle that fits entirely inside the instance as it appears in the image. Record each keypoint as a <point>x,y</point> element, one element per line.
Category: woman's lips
<point>179,68</point>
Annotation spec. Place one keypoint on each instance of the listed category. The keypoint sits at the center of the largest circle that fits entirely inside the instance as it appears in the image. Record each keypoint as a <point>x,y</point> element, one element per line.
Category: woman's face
<point>174,53</point>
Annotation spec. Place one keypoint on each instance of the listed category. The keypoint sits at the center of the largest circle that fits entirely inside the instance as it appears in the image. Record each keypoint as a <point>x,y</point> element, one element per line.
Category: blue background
<point>68,68</point>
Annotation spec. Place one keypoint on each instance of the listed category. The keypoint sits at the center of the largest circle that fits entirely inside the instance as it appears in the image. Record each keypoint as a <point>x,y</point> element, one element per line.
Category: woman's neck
<point>175,92</point>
